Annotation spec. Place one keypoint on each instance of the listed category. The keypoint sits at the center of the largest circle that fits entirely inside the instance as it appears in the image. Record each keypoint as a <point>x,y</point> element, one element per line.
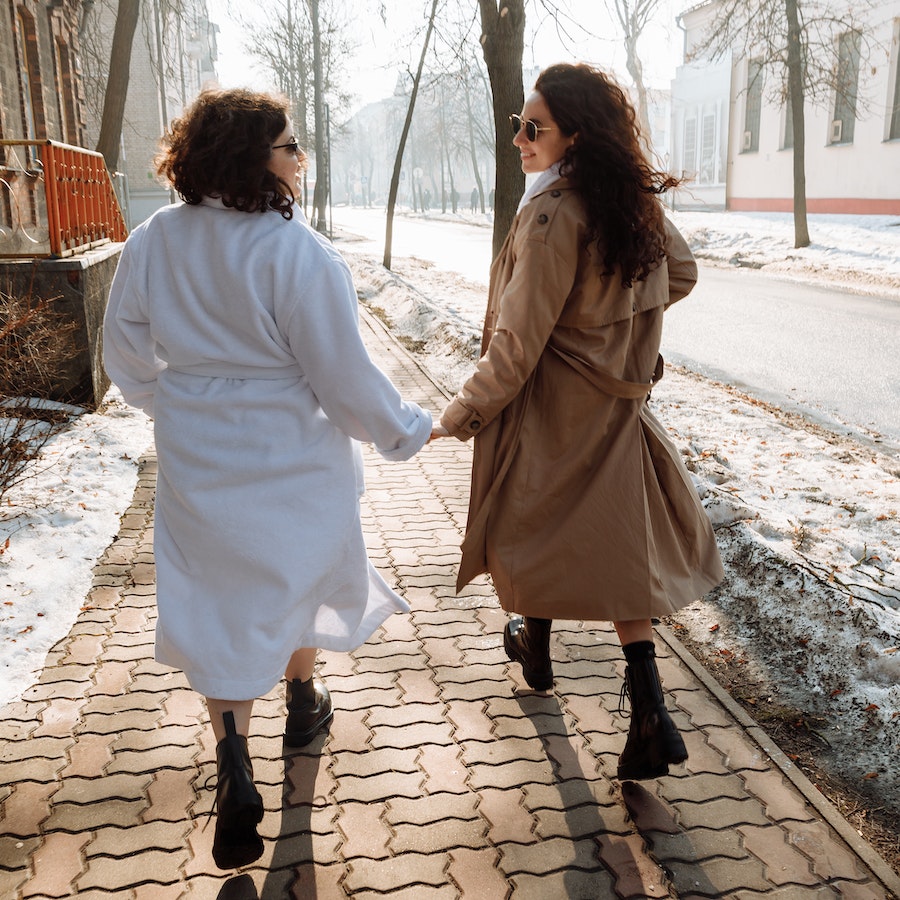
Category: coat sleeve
<point>355,395</point>
<point>529,308</point>
<point>129,350</point>
<point>682,267</point>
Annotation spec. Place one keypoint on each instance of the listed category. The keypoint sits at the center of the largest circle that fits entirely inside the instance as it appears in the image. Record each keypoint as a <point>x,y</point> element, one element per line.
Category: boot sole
<point>537,681</point>
<point>239,844</point>
<point>302,738</point>
<point>655,768</point>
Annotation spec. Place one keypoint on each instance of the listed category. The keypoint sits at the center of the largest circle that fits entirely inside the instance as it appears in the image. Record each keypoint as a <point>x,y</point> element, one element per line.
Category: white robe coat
<point>238,333</point>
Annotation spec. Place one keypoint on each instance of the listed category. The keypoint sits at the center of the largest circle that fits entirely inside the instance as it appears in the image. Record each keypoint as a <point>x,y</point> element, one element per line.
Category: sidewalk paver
<point>442,776</point>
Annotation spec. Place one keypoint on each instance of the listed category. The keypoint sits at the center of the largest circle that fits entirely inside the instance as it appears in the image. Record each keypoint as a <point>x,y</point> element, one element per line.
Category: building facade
<point>40,99</point>
<point>172,58</point>
<point>733,137</point>
<point>40,93</point>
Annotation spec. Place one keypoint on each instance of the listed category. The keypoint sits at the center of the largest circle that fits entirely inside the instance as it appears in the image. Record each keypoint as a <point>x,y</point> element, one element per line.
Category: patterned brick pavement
<point>442,776</point>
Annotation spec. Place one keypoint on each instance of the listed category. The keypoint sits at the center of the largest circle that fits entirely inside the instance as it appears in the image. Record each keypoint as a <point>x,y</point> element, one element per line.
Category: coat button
<point>474,424</point>
<point>542,219</point>
<point>556,193</point>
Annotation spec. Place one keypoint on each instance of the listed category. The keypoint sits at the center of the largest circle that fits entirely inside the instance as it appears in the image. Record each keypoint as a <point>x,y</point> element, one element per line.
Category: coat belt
<point>609,384</point>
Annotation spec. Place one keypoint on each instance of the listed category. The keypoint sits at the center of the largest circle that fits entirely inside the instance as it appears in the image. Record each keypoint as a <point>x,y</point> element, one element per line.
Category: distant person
<point>491,199</point>
<point>234,325</point>
<point>473,200</point>
<point>580,505</point>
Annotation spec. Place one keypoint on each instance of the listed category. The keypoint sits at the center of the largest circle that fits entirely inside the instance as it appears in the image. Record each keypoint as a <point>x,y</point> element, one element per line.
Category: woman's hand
<point>438,431</point>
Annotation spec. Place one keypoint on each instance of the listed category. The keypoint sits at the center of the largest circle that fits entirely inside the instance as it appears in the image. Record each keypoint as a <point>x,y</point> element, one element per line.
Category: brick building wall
<point>39,92</point>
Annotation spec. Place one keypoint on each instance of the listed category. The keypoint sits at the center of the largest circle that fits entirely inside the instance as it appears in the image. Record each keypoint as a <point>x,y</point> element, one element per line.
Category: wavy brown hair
<point>609,167</point>
<point>221,146</point>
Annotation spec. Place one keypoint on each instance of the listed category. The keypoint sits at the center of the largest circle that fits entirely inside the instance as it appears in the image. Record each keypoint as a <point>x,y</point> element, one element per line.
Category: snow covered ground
<point>808,521</point>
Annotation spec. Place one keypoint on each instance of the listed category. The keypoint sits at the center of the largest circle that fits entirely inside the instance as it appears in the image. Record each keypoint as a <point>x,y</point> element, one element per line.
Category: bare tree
<point>117,82</point>
<point>793,43</point>
<point>398,160</point>
<point>633,17</point>
<point>502,42</point>
<point>320,197</point>
<point>304,65</point>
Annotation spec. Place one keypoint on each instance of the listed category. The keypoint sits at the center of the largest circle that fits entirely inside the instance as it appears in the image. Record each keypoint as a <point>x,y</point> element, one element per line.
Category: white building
<point>734,141</point>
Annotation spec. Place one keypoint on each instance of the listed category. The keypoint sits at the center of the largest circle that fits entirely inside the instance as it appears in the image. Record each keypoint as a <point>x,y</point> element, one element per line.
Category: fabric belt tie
<point>609,384</point>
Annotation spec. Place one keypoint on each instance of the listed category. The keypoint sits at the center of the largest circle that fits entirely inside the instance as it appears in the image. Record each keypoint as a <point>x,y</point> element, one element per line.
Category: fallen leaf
<point>837,691</point>
<point>870,775</point>
<point>871,706</point>
<point>714,627</point>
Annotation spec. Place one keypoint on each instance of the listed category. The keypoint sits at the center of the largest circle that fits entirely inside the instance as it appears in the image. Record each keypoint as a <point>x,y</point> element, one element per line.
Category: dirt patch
<point>800,735</point>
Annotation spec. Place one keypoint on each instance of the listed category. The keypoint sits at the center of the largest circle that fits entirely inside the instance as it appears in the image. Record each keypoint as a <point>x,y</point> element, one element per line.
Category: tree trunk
<point>472,152</point>
<point>117,82</point>
<point>320,194</point>
<point>502,42</point>
<point>796,79</point>
<point>398,160</point>
<point>636,71</point>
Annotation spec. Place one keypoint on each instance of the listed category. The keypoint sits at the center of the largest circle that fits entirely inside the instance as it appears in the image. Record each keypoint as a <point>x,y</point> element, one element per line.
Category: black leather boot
<point>527,641</point>
<point>309,711</point>
<point>240,808</point>
<point>653,740</point>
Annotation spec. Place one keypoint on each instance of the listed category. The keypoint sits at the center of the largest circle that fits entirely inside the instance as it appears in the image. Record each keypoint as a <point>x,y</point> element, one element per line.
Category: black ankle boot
<point>653,740</point>
<point>240,808</point>
<point>309,711</point>
<point>527,641</point>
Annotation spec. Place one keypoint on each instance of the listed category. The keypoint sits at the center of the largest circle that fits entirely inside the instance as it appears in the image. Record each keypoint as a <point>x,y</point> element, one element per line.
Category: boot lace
<point>623,693</point>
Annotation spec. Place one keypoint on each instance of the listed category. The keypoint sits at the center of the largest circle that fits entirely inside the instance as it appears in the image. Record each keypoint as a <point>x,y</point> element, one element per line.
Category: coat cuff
<point>461,420</point>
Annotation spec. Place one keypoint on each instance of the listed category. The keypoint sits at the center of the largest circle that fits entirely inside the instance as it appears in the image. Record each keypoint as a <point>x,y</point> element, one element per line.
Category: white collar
<point>546,178</point>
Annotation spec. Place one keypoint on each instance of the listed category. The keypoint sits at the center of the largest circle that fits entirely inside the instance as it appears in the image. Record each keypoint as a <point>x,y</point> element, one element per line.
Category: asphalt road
<point>830,354</point>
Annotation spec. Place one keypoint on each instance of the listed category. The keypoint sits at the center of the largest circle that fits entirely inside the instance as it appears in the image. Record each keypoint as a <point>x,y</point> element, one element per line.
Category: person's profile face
<point>548,145</point>
<point>286,157</point>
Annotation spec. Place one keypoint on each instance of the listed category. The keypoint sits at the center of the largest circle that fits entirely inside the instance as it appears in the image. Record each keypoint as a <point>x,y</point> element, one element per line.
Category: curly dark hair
<point>609,167</point>
<point>221,146</point>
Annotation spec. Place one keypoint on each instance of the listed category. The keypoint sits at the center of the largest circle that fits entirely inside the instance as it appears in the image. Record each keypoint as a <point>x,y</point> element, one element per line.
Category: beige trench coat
<point>580,506</point>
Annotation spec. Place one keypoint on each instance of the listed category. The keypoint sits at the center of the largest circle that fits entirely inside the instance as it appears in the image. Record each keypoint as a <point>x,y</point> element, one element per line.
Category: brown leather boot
<point>527,641</point>
<point>309,711</point>
<point>238,803</point>
<point>653,741</point>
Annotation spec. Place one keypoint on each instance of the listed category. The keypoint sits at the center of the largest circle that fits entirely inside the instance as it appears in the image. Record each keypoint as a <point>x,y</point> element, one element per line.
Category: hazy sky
<point>379,46</point>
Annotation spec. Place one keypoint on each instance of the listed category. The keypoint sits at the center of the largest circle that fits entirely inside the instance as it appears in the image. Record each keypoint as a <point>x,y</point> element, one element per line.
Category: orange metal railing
<point>76,210</point>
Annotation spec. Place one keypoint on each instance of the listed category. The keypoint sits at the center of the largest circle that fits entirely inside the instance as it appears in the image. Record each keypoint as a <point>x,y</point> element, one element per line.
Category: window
<point>844,119</point>
<point>788,124</point>
<point>753,106</point>
<point>708,150</point>
<point>30,78</point>
<point>690,146</point>
<point>894,132</point>
<point>64,98</point>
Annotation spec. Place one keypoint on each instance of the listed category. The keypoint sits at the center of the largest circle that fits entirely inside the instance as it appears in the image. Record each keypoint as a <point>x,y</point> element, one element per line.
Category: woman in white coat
<point>234,325</point>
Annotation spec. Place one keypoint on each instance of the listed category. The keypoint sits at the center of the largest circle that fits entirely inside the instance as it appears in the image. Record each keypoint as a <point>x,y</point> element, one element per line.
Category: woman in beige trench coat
<point>580,506</point>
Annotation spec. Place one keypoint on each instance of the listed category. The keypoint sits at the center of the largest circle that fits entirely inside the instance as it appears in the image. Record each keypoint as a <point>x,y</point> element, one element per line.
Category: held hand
<point>438,431</point>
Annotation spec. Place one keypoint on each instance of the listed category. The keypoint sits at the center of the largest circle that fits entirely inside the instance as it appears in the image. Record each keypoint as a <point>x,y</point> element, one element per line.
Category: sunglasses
<point>291,145</point>
<point>531,128</point>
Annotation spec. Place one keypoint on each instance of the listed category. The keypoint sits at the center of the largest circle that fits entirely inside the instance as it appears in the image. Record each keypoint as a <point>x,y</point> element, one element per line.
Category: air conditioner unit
<point>748,140</point>
<point>837,127</point>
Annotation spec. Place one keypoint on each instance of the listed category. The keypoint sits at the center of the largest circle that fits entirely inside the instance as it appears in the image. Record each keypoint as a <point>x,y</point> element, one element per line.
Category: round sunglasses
<point>532,129</point>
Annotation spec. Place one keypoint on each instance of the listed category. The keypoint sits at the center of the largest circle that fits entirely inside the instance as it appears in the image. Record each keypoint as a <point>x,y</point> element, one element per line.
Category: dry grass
<point>35,346</point>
